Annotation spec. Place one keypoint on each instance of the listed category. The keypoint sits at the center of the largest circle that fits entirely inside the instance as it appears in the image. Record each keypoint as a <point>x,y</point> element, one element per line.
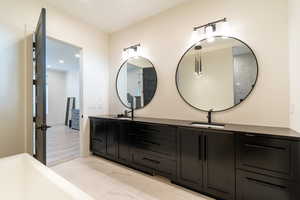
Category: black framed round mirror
<point>136,82</point>
<point>217,74</point>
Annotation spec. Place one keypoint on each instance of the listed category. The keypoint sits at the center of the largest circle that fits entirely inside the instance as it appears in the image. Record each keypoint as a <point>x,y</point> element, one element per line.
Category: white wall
<point>57,97</point>
<point>294,63</point>
<point>17,21</point>
<point>165,37</point>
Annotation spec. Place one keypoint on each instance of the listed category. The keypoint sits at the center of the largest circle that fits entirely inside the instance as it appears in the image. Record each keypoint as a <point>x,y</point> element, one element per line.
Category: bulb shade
<point>209,33</point>
<point>125,55</point>
<point>225,28</point>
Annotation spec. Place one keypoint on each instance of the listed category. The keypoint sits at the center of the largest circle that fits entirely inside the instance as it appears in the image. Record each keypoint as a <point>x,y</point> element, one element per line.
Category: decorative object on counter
<point>226,72</point>
<point>136,82</point>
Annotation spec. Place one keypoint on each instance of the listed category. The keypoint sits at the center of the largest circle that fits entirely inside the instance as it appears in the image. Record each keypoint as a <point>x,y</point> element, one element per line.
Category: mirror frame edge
<point>250,92</point>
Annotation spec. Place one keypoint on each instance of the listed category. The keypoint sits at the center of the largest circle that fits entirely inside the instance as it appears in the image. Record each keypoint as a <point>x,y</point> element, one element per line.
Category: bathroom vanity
<point>236,162</point>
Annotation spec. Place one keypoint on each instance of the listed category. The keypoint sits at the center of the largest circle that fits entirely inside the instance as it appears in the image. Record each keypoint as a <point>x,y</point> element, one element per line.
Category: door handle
<point>43,127</point>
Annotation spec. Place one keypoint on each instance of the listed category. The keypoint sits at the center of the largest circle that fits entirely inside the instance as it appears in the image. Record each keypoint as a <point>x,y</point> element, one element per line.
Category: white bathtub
<point>24,178</point>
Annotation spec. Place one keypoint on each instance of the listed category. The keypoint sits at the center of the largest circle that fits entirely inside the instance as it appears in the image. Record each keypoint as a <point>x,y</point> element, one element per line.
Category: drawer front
<point>98,146</point>
<point>264,155</point>
<point>251,186</point>
<point>158,139</point>
<point>157,164</point>
<point>158,131</point>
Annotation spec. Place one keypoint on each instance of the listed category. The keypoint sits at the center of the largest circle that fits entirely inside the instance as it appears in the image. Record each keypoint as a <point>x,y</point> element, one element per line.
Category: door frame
<point>29,142</point>
<point>81,94</point>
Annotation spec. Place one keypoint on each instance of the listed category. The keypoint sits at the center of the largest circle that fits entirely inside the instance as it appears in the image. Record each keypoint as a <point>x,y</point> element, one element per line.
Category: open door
<point>39,81</point>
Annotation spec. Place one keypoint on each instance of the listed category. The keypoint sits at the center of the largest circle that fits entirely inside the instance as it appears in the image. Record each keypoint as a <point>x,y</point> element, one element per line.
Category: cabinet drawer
<point>157,164</point>
<point>155,131</point>
<point>158,139</point>
<point>265,155</point>
<point>251,186</point>
<point>98,146</point>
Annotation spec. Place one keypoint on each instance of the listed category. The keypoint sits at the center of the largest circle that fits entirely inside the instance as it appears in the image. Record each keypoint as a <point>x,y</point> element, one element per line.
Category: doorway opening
<point>63,101</point>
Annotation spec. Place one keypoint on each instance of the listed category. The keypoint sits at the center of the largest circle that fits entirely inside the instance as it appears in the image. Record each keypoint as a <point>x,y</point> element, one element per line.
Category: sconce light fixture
<point>132,51</point>
<point>210,28</point>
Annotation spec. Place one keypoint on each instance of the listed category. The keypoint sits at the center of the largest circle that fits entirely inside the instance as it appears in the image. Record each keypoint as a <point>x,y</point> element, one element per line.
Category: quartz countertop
<point>280,132</point>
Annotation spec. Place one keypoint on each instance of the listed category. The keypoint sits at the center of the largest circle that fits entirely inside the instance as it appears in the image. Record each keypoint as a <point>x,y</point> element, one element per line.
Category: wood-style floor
<point>105,180</point>
<point>62,144</point>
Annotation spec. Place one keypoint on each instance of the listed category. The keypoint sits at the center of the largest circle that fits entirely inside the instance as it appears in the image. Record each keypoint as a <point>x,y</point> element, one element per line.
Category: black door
<point>149,84</point>
<point>190,158</point>
<point>219,169</point>
<point>40,88</point>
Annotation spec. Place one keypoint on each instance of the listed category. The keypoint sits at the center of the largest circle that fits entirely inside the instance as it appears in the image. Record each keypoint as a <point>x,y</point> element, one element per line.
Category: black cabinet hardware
<point>266,183</point>
<point>265,147</point>
<point>150,142</point>
<point>150,160</point>
<point>205,147</point>
<point>199,147</point>
<point>249,135</point>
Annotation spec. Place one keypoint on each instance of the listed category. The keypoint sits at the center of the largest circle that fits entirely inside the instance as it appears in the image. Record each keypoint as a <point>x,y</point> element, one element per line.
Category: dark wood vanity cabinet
<point>219,163</point>
<point>104,135</point>
<point>206,162</point>
<point>267,168</point>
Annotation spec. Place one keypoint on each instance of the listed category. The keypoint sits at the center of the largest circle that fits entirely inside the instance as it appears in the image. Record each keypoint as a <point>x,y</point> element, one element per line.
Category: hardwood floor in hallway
<point>63,144</point>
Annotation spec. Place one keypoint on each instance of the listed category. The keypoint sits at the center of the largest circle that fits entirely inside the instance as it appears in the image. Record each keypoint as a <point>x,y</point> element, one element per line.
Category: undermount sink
<point>205,125</point>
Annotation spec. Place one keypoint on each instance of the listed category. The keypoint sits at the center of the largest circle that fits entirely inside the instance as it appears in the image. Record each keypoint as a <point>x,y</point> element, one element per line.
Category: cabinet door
<point>98,136</point>
<point>219,164</point>
<point>190,158</point>
<point>251,186</point>
<point>123,143</point>
<point>112,129</point>
<point>98,129</point>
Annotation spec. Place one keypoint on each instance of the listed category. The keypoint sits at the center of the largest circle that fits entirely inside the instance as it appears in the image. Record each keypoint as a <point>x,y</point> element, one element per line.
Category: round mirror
<point>217,75</point>
<point>136,82</point>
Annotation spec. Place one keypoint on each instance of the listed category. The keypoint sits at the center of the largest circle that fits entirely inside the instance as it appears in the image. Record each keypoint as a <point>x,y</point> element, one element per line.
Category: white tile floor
<point>107,180</point>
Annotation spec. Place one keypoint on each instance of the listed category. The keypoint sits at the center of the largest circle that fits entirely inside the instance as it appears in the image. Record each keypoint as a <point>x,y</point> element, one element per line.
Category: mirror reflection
<point>217,75</point>
<point>136,82</point>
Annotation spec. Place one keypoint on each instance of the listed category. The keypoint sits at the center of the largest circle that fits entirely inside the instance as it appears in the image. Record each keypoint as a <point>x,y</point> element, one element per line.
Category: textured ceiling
<point>112,15</point>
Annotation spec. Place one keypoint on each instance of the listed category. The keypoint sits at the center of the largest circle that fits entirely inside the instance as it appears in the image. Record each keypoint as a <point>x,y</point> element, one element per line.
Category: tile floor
<point>106,180</point>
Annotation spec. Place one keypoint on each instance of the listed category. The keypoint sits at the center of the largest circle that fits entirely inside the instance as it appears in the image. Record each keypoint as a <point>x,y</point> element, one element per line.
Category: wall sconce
<point>132,51</point>
<point>210,28</point>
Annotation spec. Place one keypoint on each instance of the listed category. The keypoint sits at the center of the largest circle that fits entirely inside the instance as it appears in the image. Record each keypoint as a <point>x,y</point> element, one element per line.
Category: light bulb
<point>195,36</point>
<point>225,29</point>
<point>131,53</point>
<point>125,55</point>
<point>138,51</point>
<point>209,34</point>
